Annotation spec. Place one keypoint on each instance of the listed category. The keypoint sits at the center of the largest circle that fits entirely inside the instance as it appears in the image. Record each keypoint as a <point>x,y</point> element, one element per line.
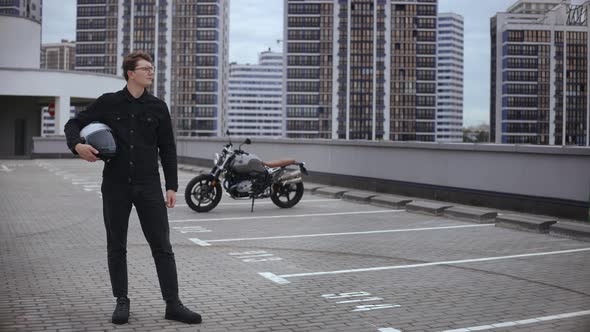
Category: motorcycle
<point>244,176</point>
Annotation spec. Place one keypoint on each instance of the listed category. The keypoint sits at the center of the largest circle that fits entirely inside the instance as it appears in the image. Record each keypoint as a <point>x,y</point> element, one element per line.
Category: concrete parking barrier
<point>332,192</point>
<point>188,168</point>
<point>311,187</point>
<point>358,196</point>
<point>525,223</point>
<point>434,208</point>
<point>480,216</point>
<point>571,230</point>
<point>390,201</point>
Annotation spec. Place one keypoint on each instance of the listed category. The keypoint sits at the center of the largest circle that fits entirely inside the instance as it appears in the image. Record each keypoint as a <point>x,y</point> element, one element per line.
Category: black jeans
<point>151,209</point>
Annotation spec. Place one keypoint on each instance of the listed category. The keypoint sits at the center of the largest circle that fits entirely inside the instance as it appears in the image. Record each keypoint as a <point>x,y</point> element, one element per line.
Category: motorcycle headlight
<point>216,159</point>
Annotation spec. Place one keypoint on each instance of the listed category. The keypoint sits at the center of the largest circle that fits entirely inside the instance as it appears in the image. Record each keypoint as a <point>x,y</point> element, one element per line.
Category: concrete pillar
<point>62,113</point>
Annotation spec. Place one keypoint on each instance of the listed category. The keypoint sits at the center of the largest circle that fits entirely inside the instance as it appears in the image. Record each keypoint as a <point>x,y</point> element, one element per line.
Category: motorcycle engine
<point>240,186</point>
<point>243,187</point>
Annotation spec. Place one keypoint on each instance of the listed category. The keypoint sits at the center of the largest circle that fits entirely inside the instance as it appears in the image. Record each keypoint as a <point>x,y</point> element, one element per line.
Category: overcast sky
<point>256,25</point>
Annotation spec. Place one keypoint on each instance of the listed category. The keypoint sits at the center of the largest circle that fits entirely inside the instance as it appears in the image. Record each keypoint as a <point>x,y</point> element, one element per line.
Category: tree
<point>476,134</point>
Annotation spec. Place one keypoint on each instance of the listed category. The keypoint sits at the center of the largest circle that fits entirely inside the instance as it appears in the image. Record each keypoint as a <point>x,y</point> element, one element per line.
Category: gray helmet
<point>100,136</point>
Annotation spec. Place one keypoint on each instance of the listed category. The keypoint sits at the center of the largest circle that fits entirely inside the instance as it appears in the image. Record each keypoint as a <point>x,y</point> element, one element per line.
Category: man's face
<point>143,74</point>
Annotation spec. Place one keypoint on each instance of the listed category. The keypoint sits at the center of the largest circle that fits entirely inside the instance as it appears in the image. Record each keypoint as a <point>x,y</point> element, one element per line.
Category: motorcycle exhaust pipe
<point>290,175</point>
<point>291,181</point>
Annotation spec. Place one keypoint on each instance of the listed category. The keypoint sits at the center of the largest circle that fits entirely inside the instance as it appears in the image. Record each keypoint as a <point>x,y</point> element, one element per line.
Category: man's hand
<point>170,198</point>
<point>86,152</point>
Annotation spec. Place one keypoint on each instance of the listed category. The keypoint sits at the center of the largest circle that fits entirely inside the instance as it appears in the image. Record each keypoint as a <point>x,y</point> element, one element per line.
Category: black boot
<point>121,313</point>
<point>175,310</point>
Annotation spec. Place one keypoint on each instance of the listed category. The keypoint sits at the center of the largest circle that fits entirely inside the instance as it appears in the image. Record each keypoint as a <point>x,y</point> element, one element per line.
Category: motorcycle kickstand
<point>252,208</point>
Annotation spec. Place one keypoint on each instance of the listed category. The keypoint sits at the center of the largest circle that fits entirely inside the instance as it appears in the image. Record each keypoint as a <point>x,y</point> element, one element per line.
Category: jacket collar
<point>130,97</point>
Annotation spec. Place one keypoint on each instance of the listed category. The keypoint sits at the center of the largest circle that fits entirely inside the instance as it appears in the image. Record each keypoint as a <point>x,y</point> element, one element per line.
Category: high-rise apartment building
<point>255,96</point>
<point>59,56</point>
<point>360,69</point>
<point>97,36</point>
<point>308,79</point>
<point>449,104</point>
<point>24,8</point>
<point>187,40</point>
<point>533,6</point>
<point>200,57</point>
<point>540,75</point>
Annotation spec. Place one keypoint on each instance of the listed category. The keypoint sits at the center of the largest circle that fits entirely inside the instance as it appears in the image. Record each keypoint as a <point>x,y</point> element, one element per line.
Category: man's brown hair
<point>130,61</point>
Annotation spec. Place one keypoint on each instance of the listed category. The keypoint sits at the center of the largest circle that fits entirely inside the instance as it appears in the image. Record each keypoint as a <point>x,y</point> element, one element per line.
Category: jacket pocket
<point>117,121</point>
<point>148,125</point>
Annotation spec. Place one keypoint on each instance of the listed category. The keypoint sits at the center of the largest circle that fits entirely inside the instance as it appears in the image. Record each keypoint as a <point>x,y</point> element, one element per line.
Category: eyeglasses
<point>146,69</point>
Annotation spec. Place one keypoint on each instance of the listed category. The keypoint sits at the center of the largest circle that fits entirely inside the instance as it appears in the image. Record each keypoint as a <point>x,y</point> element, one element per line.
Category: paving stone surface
<point>346,266</point>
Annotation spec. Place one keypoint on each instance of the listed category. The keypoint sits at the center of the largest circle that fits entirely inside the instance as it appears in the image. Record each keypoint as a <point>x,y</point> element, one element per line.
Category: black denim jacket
<point>142,129</point>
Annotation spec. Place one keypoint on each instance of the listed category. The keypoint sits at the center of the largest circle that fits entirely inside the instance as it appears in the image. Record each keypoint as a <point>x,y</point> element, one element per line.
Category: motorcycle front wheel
<point>201,195</point>
<point>286,196</point>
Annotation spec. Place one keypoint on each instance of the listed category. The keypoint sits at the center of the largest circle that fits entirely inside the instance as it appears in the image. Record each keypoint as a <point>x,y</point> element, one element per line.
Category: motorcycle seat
<point>280,163</point>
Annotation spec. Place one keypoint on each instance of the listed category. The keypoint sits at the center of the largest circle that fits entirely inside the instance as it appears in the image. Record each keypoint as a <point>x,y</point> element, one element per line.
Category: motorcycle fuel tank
<point>247,163</point>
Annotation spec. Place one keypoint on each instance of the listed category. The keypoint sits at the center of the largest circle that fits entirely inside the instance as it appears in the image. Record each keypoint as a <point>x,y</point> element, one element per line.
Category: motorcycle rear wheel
<point>201,195</point>
<point>287,196</point>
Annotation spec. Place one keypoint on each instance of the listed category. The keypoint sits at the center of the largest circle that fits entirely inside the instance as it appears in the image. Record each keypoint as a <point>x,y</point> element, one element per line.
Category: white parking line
<point>291,216</point>
<point>281,279</point>
<point>199,242</point>
<point>521,322</point>
<point>206,242</point>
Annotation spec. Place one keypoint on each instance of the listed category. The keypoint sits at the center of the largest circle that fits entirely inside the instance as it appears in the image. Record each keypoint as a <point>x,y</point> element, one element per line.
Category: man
<point>142,128</point>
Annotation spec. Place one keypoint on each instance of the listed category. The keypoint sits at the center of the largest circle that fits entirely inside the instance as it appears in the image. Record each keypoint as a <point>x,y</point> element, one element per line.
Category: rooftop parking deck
<point>328,264</point>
